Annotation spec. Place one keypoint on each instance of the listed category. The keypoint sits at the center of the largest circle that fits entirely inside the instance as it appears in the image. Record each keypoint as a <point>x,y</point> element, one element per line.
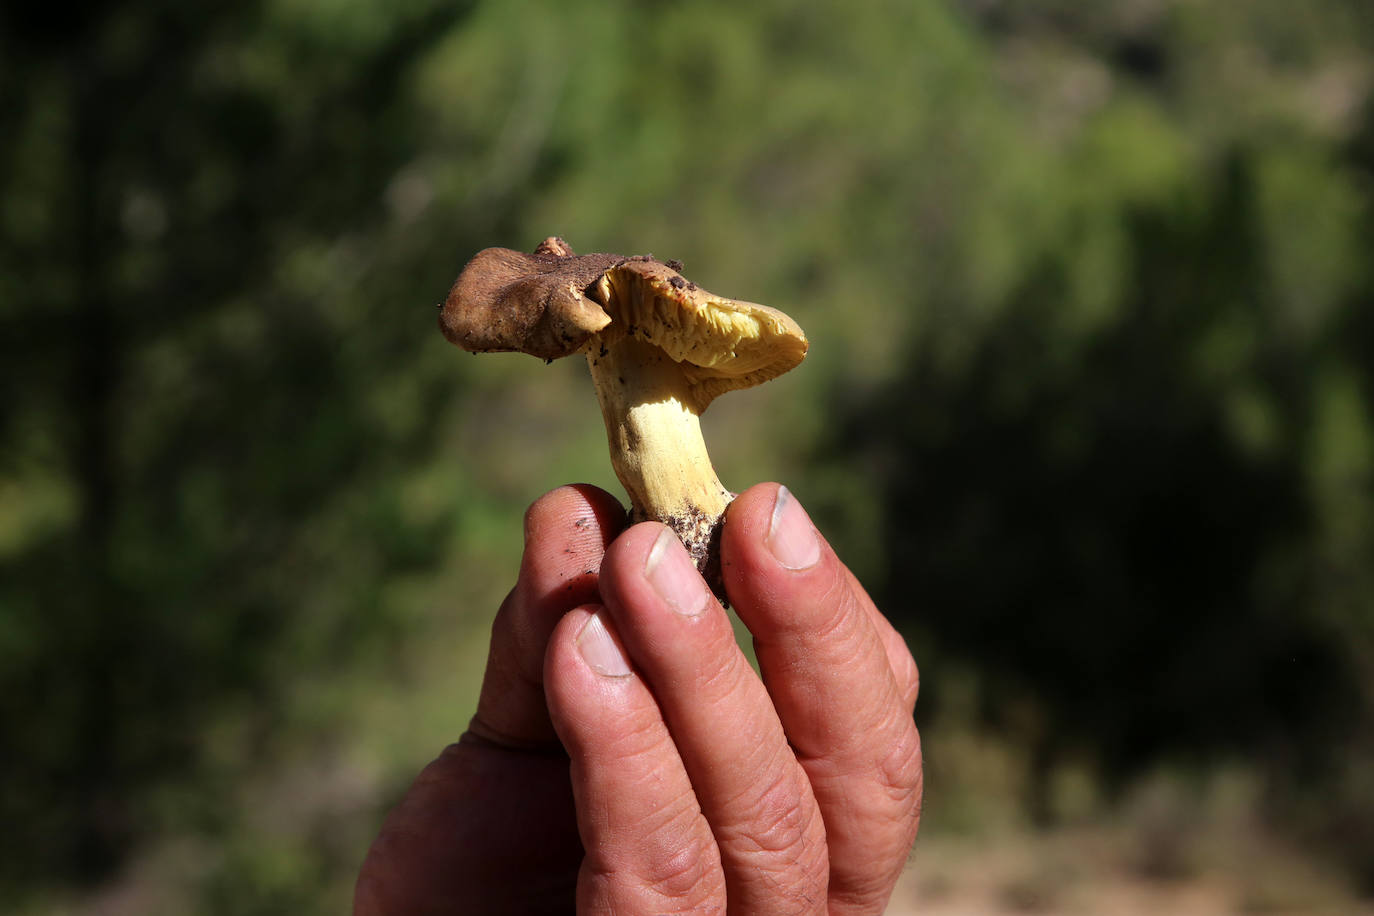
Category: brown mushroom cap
<point>722,344</point>
<point>507,300</point>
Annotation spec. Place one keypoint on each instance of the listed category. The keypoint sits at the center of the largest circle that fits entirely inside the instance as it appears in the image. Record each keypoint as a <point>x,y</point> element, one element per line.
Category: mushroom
<point>660,349</point>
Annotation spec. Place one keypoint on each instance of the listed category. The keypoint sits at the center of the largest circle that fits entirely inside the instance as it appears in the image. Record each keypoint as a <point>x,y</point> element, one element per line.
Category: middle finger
<point>752,791</point>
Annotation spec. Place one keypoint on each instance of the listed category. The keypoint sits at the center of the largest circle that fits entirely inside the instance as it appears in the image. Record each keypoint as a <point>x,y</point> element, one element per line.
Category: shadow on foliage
<point>181,582</point>
<point>1099,531</point>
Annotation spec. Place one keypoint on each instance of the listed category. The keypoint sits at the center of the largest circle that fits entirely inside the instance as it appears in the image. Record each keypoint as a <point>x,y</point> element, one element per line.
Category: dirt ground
<point>1106,872</point>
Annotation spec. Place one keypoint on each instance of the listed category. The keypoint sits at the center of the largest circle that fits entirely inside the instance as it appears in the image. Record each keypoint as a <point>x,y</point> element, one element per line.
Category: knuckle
<point>890,817</point>
<point>672,867</point>
<point>685,872</point>
<point>779,839</point>
<point>900,768</point>
<point>780,819</point>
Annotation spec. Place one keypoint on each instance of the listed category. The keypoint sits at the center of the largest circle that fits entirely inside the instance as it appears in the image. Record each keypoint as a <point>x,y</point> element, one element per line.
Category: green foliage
<point>1089,402</point>
<point>1100,523</point>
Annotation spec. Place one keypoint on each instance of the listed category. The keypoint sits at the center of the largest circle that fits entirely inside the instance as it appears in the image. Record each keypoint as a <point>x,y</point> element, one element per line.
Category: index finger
<point>841,689</point>
<point>566,534</point>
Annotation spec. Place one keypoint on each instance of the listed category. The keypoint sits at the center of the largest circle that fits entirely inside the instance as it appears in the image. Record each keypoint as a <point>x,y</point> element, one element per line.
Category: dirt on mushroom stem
<point>703,544</point>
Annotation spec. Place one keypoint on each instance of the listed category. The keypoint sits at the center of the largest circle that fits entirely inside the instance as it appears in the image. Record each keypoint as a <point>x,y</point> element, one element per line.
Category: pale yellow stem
<point>656,446</point>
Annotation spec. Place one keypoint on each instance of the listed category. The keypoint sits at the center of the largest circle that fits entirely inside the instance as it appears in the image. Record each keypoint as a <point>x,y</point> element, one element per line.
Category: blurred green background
<point>1089,405</point>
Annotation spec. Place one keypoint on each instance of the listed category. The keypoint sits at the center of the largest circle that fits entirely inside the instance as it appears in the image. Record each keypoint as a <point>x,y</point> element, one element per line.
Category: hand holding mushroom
<point>660,350</point>
<point>626,758</point>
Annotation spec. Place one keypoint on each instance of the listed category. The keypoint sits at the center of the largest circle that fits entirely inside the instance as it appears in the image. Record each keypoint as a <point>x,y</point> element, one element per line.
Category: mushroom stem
<point>654,432</point>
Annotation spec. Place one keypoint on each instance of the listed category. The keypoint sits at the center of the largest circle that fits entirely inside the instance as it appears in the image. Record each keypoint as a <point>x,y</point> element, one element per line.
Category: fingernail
<point>791,536</point>
<point>600,649</point>
<point>670,571</point>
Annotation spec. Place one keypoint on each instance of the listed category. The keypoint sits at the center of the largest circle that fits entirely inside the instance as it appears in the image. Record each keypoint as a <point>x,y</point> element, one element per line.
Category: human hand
<point>692,785</point>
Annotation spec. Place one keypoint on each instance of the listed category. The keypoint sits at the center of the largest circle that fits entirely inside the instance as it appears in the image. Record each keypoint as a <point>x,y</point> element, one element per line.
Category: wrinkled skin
<point>626,757</point>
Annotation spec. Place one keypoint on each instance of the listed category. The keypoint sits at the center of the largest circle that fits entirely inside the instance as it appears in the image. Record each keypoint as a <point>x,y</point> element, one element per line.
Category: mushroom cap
<point>553,303</point>
<point>536,303</point>
<point>721,344</point>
